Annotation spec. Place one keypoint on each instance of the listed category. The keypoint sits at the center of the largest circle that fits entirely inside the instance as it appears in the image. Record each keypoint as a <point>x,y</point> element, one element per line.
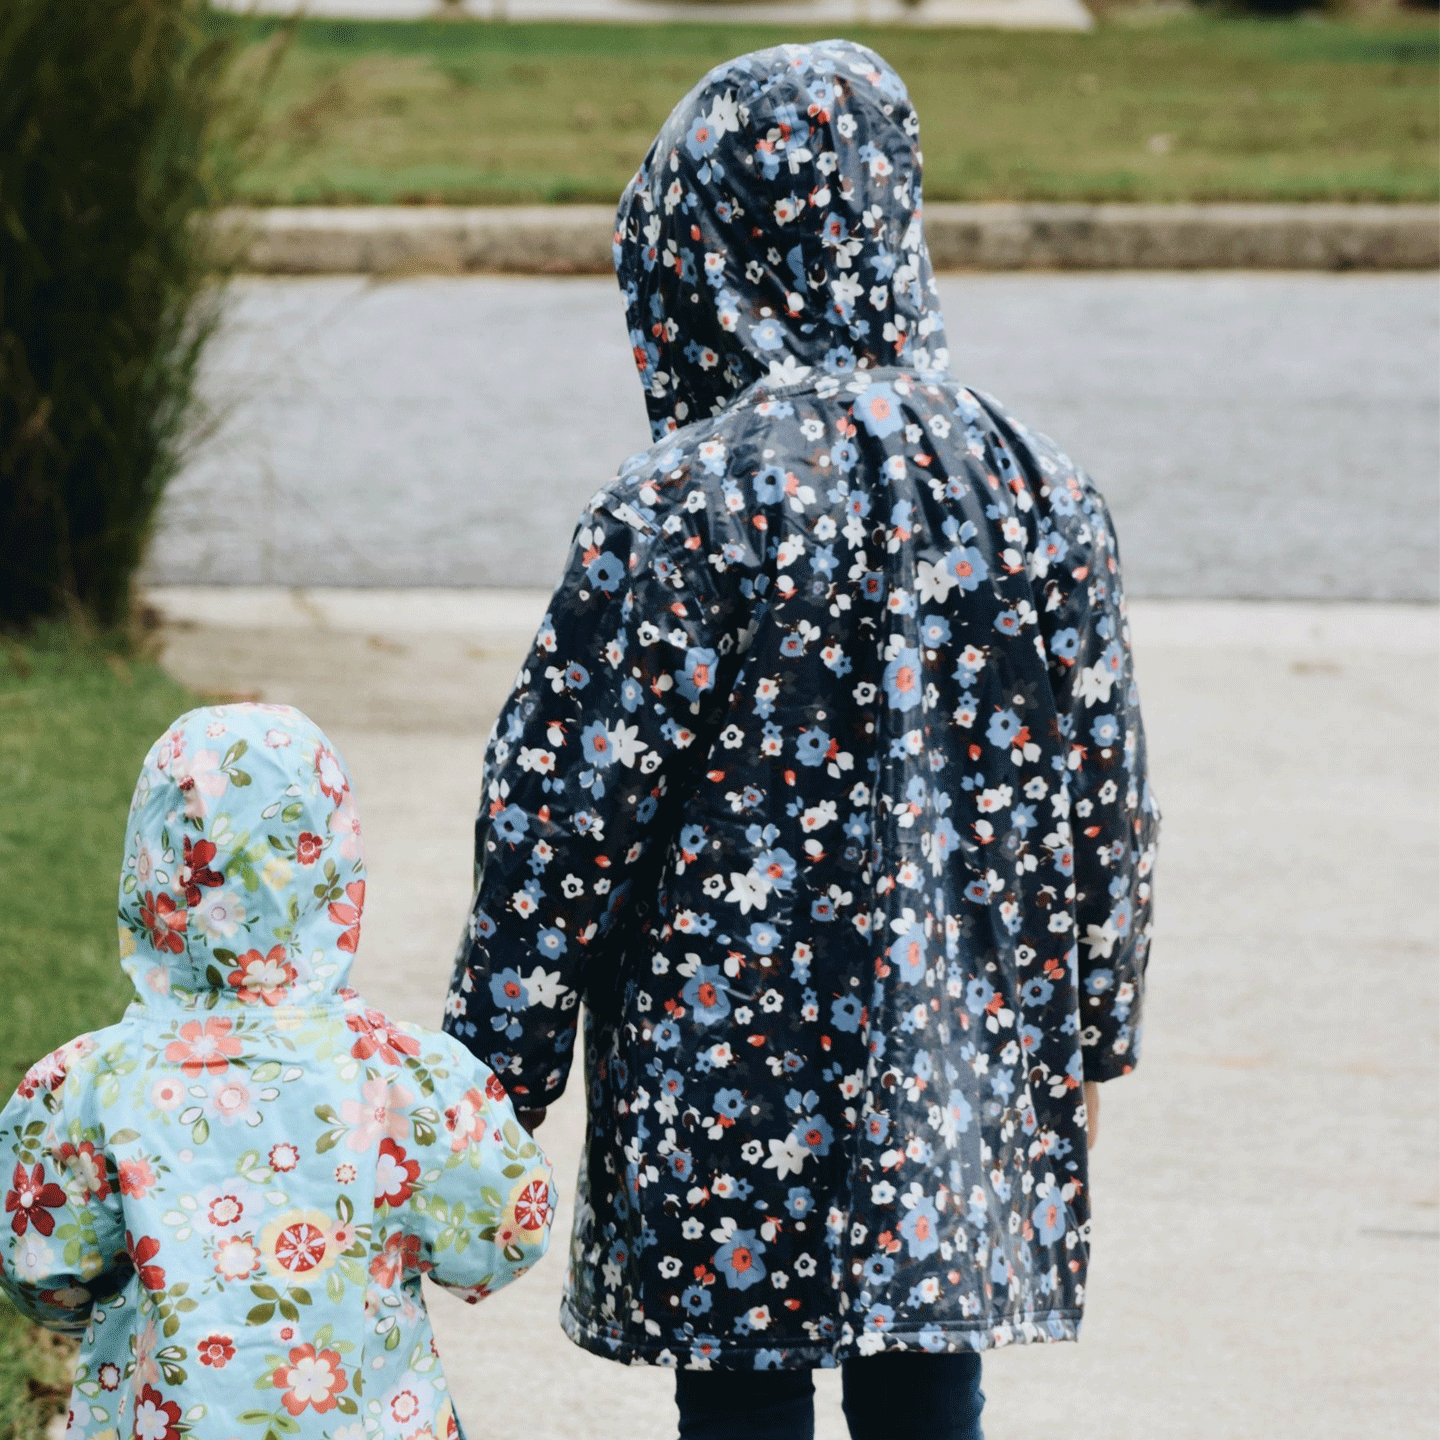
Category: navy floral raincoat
<point>823,786</point>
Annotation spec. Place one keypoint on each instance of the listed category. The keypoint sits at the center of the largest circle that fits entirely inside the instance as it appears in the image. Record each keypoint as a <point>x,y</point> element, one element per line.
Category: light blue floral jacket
<point>232,1194</point>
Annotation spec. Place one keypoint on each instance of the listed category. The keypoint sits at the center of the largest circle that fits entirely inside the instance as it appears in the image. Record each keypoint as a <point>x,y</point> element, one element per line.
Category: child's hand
<point>1092,1113</point>
<point>532,1120</point>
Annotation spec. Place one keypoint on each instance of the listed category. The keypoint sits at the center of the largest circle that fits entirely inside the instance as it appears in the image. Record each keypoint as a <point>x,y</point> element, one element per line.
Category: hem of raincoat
<point>1036,1327</point>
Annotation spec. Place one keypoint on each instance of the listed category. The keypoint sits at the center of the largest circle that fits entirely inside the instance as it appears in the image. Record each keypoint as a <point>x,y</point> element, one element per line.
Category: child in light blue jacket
<point>232,1194</point>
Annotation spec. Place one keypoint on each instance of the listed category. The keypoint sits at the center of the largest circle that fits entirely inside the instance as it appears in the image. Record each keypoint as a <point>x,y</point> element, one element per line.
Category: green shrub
<point>108,113</point>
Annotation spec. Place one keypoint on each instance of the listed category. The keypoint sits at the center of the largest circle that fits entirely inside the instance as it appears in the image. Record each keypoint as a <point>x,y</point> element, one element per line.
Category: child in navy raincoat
<point>231,1195</point>
<point>824,786</point>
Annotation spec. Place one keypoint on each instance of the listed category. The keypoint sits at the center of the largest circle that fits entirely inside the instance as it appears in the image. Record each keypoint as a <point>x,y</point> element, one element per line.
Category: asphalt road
<point>1259,436</point>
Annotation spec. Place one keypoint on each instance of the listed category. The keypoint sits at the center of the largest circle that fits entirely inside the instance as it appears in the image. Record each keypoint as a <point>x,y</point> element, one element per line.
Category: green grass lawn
<point>1187,108</point>
<point>75,723</point>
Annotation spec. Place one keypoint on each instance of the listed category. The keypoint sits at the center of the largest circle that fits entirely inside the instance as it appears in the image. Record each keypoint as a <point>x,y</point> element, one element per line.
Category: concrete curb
<point>576,239</point>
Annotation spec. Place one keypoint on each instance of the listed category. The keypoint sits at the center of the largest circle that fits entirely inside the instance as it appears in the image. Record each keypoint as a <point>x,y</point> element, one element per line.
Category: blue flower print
<point>776,868</point>
<point>878,410</point>
<point>934,631</point>
<point>1036,992</point>
<point>551,943</point>
<point>729,1103</point>
<point>705,993</point>
<point>770,485</point>
<point>763,937</point>
<point>595,741</point>
<point>739,1260</point>
<point>958,1112</point>
<point>814,1132</point>
<point>878,1269</point>
<point>799,1202</point>
<point>812,747</point>
<point>702,139</point>
<point>1049,1219</point>
<point>904,680</point>
<point>833,822</point>
<point>507,989</point>
<point>699,673</point>
<point>909,953</point>
<point>606,571</point>
<point>1004,729</point>
<point>1104,730</point>
<point>966,566</point>
<point>768,335</point>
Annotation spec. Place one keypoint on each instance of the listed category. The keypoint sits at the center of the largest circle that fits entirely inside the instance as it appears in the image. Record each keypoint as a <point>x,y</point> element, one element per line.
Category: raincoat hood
<point>773,232</point>
<point>244,878</point>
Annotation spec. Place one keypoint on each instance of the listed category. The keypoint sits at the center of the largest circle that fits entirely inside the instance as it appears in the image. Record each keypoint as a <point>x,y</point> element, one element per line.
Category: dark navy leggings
<point>899,1395</point>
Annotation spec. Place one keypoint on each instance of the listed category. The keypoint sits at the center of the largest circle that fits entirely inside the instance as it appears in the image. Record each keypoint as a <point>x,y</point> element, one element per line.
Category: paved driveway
<point>1266,436</point>
<point>1266,1237</point>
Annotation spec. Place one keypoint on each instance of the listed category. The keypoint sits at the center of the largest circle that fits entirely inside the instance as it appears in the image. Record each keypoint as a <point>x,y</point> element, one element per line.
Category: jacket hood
<point>774,231</point>
<point>244,878</point>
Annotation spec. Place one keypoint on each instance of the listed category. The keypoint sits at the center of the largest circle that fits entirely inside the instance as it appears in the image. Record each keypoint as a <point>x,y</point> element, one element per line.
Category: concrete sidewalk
<point>1266,1237</point>
<point>576,239</point>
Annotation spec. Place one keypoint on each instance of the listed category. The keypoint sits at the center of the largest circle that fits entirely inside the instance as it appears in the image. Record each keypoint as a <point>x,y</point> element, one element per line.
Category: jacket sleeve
<point>483,1213</point>
<point>615,703</point>
<point>1114,818</point>
<point>62,1232</point>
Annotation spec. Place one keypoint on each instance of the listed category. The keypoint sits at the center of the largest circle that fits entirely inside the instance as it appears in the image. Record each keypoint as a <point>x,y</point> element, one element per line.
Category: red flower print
<point>494,1090</point>
<point>466,1120</point>
<point>87,1167</point>
<point>203,1047</point>
<point>327,770</point>
<point>404,1407</point>
<point>284,1157</point>
<point>196,870</point>
<point>309,848</point>
<point>142,1252</point>
<point>236,1258</point>
<point>533,1209</point>
<point>156,1418</point>
<point>136,1178</point>
<point>349,915</point>
<point>395,1175</point>
<point>216,1350</point>
<point>378,1037</point>
<point>310,1379</point>
<point>165,921</point>
<point>31,1200</point>
<point>262,977</point>
<point>400,1256</point>
<point>301,1247</point>
<point>48,1073</point>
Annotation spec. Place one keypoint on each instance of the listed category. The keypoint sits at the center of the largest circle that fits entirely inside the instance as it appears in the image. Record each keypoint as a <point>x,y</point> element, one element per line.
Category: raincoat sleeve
<point>613,706</point>
<point>1114,818</point>
<point>62,1232</point>
<point>482,1217</point>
